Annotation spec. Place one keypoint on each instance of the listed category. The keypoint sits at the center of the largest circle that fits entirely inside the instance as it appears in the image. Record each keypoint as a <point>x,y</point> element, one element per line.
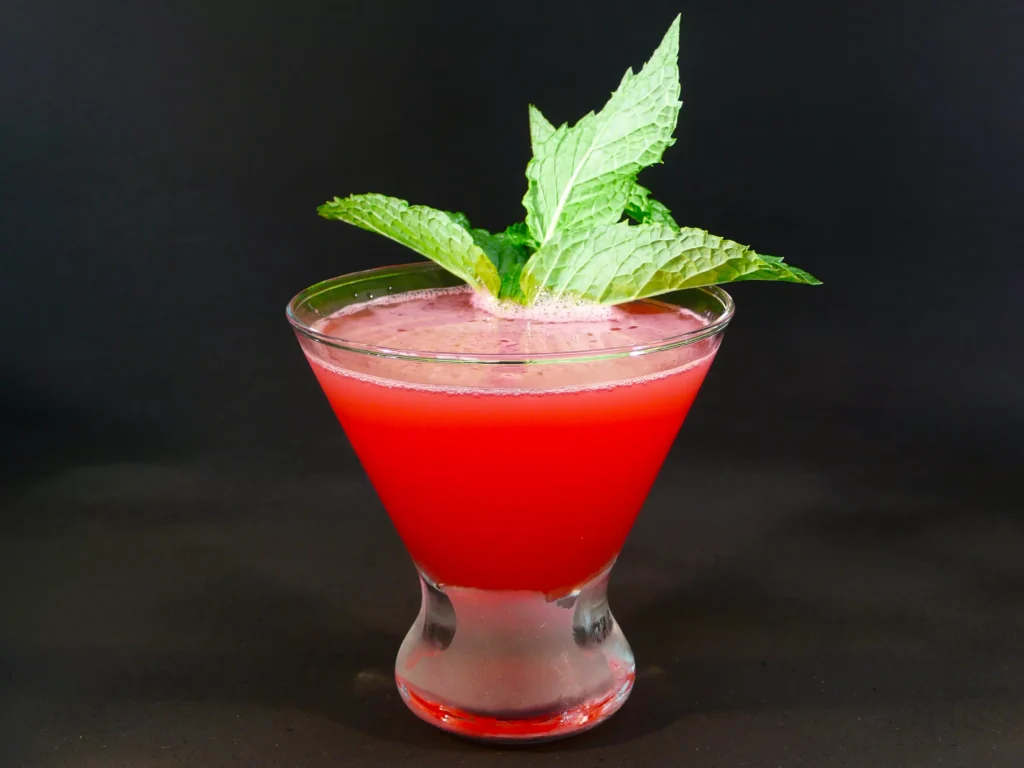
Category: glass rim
<point>713,328</point>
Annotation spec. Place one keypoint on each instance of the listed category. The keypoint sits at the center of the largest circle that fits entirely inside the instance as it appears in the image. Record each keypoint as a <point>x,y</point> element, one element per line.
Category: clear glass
<point>513,482</point>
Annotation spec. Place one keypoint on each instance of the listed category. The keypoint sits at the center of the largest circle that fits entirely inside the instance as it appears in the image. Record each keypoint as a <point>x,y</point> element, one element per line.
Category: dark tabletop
<point>785,611</point>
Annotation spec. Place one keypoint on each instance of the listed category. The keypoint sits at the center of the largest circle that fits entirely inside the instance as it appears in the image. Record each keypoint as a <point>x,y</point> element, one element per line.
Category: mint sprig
<point>582,182</point>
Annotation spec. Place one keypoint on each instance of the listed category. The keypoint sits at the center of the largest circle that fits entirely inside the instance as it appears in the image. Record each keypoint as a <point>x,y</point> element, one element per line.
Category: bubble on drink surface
<point>419,296</point>
<point>545,309</point>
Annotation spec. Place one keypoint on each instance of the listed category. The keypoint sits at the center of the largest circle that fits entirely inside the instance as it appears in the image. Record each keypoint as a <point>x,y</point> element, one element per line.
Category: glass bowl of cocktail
<point>513,401</point>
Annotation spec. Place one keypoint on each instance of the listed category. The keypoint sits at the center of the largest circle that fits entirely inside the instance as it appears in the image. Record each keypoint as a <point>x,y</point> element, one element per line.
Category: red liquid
<point>494,490</point>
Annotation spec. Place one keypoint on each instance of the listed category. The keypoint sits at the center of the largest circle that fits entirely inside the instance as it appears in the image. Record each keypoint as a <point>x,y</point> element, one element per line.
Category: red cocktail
<point>513,453</point>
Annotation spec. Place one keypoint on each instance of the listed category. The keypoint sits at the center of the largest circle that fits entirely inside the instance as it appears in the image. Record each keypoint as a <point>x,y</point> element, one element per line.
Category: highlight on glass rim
<point>513,401</point>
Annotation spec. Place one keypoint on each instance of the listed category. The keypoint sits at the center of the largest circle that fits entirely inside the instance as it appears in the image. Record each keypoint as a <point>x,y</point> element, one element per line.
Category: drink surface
<point>510,476</point>
<point>455,320</point>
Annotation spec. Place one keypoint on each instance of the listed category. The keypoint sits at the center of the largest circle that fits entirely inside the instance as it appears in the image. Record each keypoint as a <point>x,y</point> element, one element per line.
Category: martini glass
<point>513,481</point>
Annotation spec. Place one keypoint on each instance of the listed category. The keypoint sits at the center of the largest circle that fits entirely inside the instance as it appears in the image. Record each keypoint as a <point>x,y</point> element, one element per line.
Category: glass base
<point>514,666</point>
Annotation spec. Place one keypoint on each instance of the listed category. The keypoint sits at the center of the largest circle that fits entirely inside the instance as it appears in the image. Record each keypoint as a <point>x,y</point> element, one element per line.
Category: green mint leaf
<point>508,257</point>
<point>519,234</point>
<point>775,269</point>
<point>643,209</point>
<point>511,283</point>
<point>428,231</point>
<point>540,128</point>
<point>581,177</point>
<point>508,251</point>
<point>460,218</point>
<point>640,206</point>
<point>614,263</point>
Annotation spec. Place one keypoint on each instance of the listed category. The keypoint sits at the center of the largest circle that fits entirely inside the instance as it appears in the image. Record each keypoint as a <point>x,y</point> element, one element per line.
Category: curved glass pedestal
<point>514,666</point>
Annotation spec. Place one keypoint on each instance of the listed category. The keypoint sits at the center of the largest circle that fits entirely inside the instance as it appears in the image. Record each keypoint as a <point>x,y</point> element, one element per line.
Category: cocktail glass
<point>513,482</point>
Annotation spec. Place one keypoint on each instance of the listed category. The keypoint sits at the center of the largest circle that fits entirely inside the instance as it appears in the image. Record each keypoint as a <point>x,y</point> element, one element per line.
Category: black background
<point>194,571</point>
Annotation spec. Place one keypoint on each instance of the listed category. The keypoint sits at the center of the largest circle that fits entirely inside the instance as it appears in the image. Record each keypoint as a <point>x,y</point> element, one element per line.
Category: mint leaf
<point>642,208</point>
<point>508,251</point>
<point>581,177</point>
<point>511,283</point>
<point>460,218</point>
<point>508,257</point>
<point>639,205</point>
<point>610,264</point>
<point>428,231</point>
<point>776,269</point>
<point>519,234</point>
<point>540,128</point>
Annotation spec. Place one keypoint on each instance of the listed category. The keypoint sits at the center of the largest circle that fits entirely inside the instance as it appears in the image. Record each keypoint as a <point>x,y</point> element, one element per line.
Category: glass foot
<point>512,665</point>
